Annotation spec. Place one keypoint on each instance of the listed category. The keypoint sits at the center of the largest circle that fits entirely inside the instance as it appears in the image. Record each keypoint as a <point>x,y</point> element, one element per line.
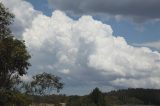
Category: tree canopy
<point>97,97</point>
<point>44,84</point>
<point>14,57</point>
<point>14,62</point>
<point>6,18</point>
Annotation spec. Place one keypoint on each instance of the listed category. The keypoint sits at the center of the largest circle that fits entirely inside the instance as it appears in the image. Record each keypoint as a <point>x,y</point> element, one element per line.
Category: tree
<point>6,18</point>
<point>13,53</point>
<point>44,84</point>
<point>97,98</point>
<point>13,62</point>
<point>8,98</point>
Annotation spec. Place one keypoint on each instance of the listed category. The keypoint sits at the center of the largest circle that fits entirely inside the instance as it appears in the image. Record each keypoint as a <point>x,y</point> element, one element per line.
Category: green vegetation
<point>137,96</point>
<point>13,62</point>
<point>13,54</point>
<point>95,98</point>
<point>8,98</point>
<point>6,18</point>
<point>43,84</point>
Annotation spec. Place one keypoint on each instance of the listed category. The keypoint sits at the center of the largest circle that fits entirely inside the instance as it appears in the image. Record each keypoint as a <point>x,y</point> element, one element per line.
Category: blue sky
<point>91,44</point>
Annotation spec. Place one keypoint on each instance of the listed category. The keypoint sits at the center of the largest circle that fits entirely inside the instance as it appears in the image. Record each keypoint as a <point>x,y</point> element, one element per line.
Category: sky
<point>108,44</point>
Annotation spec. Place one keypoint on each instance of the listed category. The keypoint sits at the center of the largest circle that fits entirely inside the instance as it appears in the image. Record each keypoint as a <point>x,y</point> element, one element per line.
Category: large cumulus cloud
<point>85,53</point>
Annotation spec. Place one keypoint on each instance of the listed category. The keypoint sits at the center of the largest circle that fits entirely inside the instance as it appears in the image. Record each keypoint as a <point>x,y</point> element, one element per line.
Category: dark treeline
<point>137,96</point>
<point>95,98</point>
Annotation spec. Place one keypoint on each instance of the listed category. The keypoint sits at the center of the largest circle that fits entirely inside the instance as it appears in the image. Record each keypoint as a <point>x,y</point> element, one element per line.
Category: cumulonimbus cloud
<point>84,52</point>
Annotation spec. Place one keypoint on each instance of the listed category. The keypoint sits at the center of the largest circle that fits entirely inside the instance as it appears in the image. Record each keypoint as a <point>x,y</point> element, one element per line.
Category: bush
<point>8,98</point>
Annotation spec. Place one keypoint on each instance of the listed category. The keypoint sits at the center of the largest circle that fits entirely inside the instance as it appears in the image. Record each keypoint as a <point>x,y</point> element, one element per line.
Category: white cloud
<point>24,14</point>
<point>84,51</point>
<point>65,71</point>
<point>154,44</point>
<point>116,56</point>
<point>138,83</point>
<point>25,78</point>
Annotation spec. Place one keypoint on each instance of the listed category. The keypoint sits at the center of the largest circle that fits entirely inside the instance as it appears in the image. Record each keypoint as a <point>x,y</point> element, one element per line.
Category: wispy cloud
<point>153,44</point>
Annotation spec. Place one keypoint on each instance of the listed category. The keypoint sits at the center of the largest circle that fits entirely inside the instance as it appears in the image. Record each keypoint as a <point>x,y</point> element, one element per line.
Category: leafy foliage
<point>8,98</point>
<point>6,18</point>
<point>43,84</point>
<point>13,62</point>
<point>13,54</point>
<point>136,96</point>
<point>97,97</point>
<point>120,97</point>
